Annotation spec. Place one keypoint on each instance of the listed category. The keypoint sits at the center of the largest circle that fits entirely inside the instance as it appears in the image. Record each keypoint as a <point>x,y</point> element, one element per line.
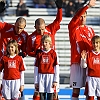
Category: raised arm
<point>75,20</point>
<point>59,13</point>
<point>55,25</point>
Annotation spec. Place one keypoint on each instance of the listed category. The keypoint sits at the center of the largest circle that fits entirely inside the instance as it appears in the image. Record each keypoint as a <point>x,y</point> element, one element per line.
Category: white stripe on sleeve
<point>35,74</point>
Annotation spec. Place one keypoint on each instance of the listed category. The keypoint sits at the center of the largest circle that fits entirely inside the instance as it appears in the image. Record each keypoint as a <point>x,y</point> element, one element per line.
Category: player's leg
<point>6,89</point>
<point>90,97</point>
<point>98,98</point>
<point>49,96</point>
<point>86,90</point>
<point>76,80</point>
<point>36,95</point>
<point>75,93</point>
<point>92,87</point>
<point>15,89</point>
<point>1,96</point>
<point>0,92</point>
<point>21,97</point>
<point>42,89</point>
<point>98,89</point>
<point>42,96</point>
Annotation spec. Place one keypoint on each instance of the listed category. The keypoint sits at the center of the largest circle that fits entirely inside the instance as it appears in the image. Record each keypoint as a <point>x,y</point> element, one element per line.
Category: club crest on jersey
<point>11,63</point>
<point>96,60</point>
<point>45,59</point>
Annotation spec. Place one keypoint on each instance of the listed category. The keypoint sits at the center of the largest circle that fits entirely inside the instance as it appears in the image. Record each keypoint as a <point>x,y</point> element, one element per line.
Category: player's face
<point>19,27</point>
<point>40,29</point>
<point>46,45</point>
<point>11,49</point>
<point>83,19</point>
<point>96,45</point>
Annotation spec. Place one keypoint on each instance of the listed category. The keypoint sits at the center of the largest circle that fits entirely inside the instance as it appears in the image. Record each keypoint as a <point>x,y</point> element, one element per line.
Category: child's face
<point>96,45</point>
<point>11,49</point>
<point>46,45</point>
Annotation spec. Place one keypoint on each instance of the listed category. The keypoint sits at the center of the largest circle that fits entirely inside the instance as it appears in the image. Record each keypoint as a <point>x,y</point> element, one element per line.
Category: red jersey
<point>34,40</point>
<point>80,37</point>
<point>46,61</point>
<point>3,28</point>
<point>93,64</point>
<point>20,38</point>
<point>12,67</point>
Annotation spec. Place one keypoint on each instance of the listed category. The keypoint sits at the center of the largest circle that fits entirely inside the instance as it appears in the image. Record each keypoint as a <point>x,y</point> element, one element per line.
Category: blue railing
<point>64,94</point>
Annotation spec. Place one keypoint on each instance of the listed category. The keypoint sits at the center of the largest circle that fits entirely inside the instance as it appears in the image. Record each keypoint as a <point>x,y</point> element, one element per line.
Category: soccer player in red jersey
<point>12,66</point>
<point>91,61</point>
<point>46,71</point>
<point>80,39</point>
<point>34,40</point>
<point>9,31</point>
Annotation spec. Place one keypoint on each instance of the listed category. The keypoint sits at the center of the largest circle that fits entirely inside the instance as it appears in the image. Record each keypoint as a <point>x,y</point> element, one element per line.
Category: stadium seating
<point>62,36</point>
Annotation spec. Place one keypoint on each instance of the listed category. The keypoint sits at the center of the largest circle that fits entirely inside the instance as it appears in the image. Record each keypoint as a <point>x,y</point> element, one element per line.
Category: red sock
<point>75,95</point>
<point>90,97</point>
<point>98,98</point>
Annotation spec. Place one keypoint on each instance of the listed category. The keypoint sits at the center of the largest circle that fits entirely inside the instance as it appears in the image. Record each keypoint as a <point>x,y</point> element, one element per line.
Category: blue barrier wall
<point>64,94</point>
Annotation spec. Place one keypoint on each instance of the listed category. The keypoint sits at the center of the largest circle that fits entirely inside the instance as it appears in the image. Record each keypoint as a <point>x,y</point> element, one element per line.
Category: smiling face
<point>96,43</point>
<point>46,42</point>
<point>11,49</point>
<point>46,45</point>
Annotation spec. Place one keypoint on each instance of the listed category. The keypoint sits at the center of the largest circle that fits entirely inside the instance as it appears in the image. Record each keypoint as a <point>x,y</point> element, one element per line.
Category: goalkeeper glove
<point>59,3</point>
<point>2,6</point>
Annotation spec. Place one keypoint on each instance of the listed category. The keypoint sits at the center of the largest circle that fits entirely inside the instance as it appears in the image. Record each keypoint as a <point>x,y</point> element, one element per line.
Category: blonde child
<point>91,61</point>
<point>12,66</point>
<point>46,71</point>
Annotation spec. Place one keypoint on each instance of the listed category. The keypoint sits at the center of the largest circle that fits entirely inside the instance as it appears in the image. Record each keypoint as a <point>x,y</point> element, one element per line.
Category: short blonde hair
<point>95,38</point>
<point>46,38</point>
